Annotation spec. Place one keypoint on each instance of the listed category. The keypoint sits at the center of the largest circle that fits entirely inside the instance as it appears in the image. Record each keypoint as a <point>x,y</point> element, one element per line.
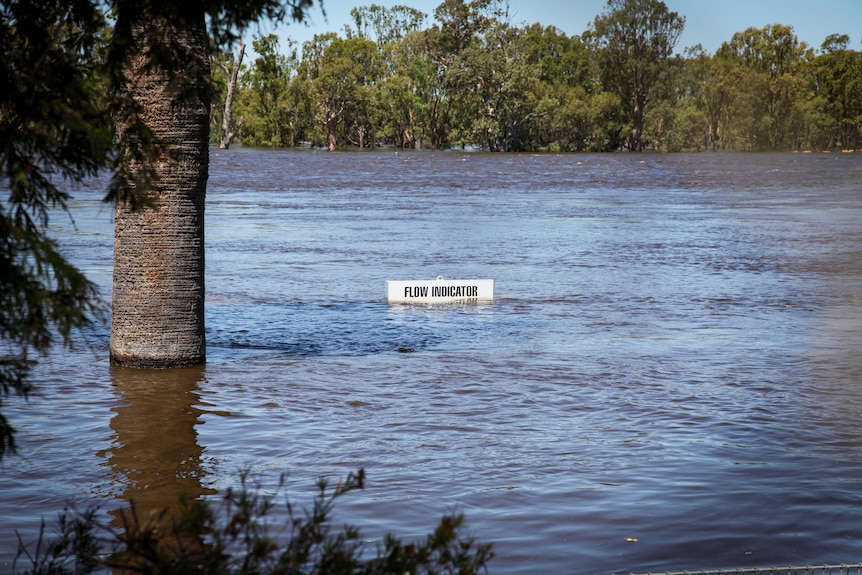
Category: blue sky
<point>708,22</point>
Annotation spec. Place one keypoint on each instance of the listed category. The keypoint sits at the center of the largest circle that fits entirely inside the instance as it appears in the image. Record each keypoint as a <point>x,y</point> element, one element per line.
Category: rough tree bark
<point>158,289</point>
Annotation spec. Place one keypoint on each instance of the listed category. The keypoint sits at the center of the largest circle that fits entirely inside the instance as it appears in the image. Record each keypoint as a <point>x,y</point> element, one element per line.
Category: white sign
<point>439,291</point>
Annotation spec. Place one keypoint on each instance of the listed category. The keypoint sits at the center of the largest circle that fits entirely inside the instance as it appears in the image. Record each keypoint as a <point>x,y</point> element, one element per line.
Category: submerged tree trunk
<point>158,290</point>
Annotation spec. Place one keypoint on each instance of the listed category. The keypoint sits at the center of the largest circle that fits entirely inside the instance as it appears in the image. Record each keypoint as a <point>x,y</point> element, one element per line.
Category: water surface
<point>673,355</point>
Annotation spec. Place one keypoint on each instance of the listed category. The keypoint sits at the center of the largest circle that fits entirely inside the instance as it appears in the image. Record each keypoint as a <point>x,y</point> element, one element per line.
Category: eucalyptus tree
<point>230,66</point>
<point>364,115</point>
<point>634,38</point>
<point>685,119</point>
<point>430,72</point>
<point>340,71</point>
<point>765,69</point>
<point>572,110</point>
<point>706,87</point>
<point>299,111</point>
<point>385,25</point>
<point>461,23</point>
<point>455,44</point>
<point>663,119</point>
<point>561,59</point>
<point>403,91</point>
<point>507,95</point>
<point>393,100</point>
<point>837,80</point>
<point>263,101</point>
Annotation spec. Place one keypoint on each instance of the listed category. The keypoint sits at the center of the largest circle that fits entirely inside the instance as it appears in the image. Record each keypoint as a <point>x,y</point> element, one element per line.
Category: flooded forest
<point>468,76</point>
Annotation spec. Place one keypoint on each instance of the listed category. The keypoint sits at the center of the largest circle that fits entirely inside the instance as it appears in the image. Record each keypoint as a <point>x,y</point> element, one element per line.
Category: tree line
<point>473,78</point>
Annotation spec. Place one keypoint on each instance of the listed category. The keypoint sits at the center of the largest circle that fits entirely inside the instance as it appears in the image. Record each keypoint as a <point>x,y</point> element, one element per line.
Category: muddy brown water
<point>674,354</point>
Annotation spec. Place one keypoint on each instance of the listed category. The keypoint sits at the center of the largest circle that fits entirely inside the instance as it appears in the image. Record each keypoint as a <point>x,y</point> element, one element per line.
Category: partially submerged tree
<point>767,88</point>
<point>339,72</point>
<point>162,63</point>
<point>838,75</point>
<point>158,293</point>
<point>271,109</point>
<point>635,37</point>
<point>230,68</point>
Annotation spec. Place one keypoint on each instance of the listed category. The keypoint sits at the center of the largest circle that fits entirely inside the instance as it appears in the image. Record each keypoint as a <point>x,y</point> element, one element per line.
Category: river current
<point>673,355</point>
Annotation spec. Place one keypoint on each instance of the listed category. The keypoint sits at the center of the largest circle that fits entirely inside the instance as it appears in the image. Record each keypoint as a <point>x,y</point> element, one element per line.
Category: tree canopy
<point>634,39</point>
<point>466,75</point>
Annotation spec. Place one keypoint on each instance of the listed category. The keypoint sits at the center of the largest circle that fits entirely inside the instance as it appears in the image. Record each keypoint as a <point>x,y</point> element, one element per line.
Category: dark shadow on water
<point>155,454</point>
<point>344,329</point>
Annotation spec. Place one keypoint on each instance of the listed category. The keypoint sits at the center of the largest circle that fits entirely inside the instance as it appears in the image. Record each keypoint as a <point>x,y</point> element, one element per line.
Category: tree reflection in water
<point>155,454</point>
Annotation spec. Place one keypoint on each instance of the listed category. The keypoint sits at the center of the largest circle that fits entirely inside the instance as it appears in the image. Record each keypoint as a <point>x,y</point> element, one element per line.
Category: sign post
<point>439,291</point>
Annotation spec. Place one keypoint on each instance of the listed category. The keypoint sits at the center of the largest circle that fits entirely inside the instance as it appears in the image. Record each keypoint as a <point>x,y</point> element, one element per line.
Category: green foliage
<point>386,25</point>
<point>472,79</point>
<point>263,109</point>
<point>53,127</point>
<point>237,536</point>
<point>635,38</point>
<point>836,78</point>
<point>765,71</point>
<point>561,59</point>
<point>343,77</point>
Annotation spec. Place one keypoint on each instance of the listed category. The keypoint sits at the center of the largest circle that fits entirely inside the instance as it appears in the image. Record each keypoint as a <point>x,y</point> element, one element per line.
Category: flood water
<point>673,354</point>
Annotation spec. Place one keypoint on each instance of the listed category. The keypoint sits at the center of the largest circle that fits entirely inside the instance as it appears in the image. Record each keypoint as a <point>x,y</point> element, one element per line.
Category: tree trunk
<point>635,143</point>
<point>332,142</point>
<point>158,292</point>
<point>227,131</point>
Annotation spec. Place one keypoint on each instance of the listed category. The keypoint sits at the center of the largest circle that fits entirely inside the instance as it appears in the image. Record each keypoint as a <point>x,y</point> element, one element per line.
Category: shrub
<point>235,536</point>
